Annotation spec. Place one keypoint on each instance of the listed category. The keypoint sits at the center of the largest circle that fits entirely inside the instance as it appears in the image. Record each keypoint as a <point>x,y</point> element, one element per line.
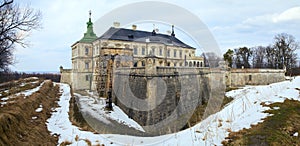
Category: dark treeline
<point>9,76</point>
<point>281,54</point>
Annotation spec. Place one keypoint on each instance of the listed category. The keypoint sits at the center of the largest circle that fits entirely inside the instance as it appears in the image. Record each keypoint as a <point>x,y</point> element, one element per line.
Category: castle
<point>137,44</point>
<point>145,67</point>
<point>132,48</point>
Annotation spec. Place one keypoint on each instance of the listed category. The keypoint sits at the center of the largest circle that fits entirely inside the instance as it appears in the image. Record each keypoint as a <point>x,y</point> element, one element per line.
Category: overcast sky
<point>233,23</point>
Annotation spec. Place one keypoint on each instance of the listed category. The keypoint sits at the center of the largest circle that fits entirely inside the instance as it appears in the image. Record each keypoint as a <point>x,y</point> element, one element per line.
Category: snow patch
<point>39,109</point>
<point>30,91</point>
<point>96,107</point>
<point>4,99</point>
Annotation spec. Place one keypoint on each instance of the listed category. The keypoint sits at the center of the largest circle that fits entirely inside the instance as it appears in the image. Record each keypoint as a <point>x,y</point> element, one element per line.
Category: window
<point>143,50</point>
<point>180,54</point>
<point>87,65</point>
<point>143,63</point>
<point>168,53</point>
<point>153,50</point>
<point>135,64</point>
<point>250,77</point>
<point>86,51</point>
<point>87,77</point>
<point>135,51</point>
<point>160,51</point>
<point>175,53</point>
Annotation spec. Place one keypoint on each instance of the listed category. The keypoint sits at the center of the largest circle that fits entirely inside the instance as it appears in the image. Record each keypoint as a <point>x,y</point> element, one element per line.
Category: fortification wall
<point>171,93</point>
<point>242,77</point>
<point>66,76</point>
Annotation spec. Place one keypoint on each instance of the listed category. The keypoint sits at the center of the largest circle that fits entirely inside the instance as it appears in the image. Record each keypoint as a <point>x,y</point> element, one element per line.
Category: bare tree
<point>258,56</point>
<point>15,24</point>
<point>270,57</point>
<point>285,46</point>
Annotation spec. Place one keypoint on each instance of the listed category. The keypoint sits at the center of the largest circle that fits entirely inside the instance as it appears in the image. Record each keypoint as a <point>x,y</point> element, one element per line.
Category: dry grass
<point>65,143</point>
<point>275,130</point>
<point>88,142</point>
<point>199,111</point>
<point>16,124</point>
<point>14,87</point>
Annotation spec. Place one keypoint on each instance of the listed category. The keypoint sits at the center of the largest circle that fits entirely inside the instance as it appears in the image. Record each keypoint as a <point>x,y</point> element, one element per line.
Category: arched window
<point>135,64</point>
<point>198,64</point>
<point>190,64</point>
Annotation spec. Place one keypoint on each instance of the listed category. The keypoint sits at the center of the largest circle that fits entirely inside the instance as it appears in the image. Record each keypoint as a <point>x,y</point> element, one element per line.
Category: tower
<point>82,59</point>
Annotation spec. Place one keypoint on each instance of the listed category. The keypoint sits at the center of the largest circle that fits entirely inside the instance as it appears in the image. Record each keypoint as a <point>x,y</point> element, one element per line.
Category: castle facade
<point>90,54</point>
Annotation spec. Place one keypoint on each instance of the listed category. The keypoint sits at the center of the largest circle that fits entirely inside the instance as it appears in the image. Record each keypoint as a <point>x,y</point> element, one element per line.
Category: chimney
<point>116,24</point>
<point>134,27</point>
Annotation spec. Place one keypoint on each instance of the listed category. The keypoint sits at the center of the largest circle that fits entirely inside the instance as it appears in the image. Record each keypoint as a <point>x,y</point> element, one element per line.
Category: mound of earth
<point>23,117</point>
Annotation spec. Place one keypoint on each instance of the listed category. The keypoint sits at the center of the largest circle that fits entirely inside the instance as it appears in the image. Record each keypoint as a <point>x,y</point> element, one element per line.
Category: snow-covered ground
<point>245,110</point>
<point>96,108</point>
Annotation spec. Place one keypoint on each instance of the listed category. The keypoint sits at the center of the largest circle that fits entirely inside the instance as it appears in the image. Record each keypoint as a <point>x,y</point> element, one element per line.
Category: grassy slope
<point>16,124</point>
<point>275,130</point>
<point>199,112</point>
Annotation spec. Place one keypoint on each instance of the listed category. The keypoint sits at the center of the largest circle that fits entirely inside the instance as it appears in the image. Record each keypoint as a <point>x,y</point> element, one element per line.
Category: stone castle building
<point>136,49</point>
<point>88,53</point>
<point>154,67</point>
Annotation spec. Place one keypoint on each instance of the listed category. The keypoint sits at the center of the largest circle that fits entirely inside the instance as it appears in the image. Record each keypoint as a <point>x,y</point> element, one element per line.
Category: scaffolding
<point>103,73</point>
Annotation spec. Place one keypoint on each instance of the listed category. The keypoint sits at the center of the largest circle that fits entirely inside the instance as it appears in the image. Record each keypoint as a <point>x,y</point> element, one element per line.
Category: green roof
<point>89,36</point>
